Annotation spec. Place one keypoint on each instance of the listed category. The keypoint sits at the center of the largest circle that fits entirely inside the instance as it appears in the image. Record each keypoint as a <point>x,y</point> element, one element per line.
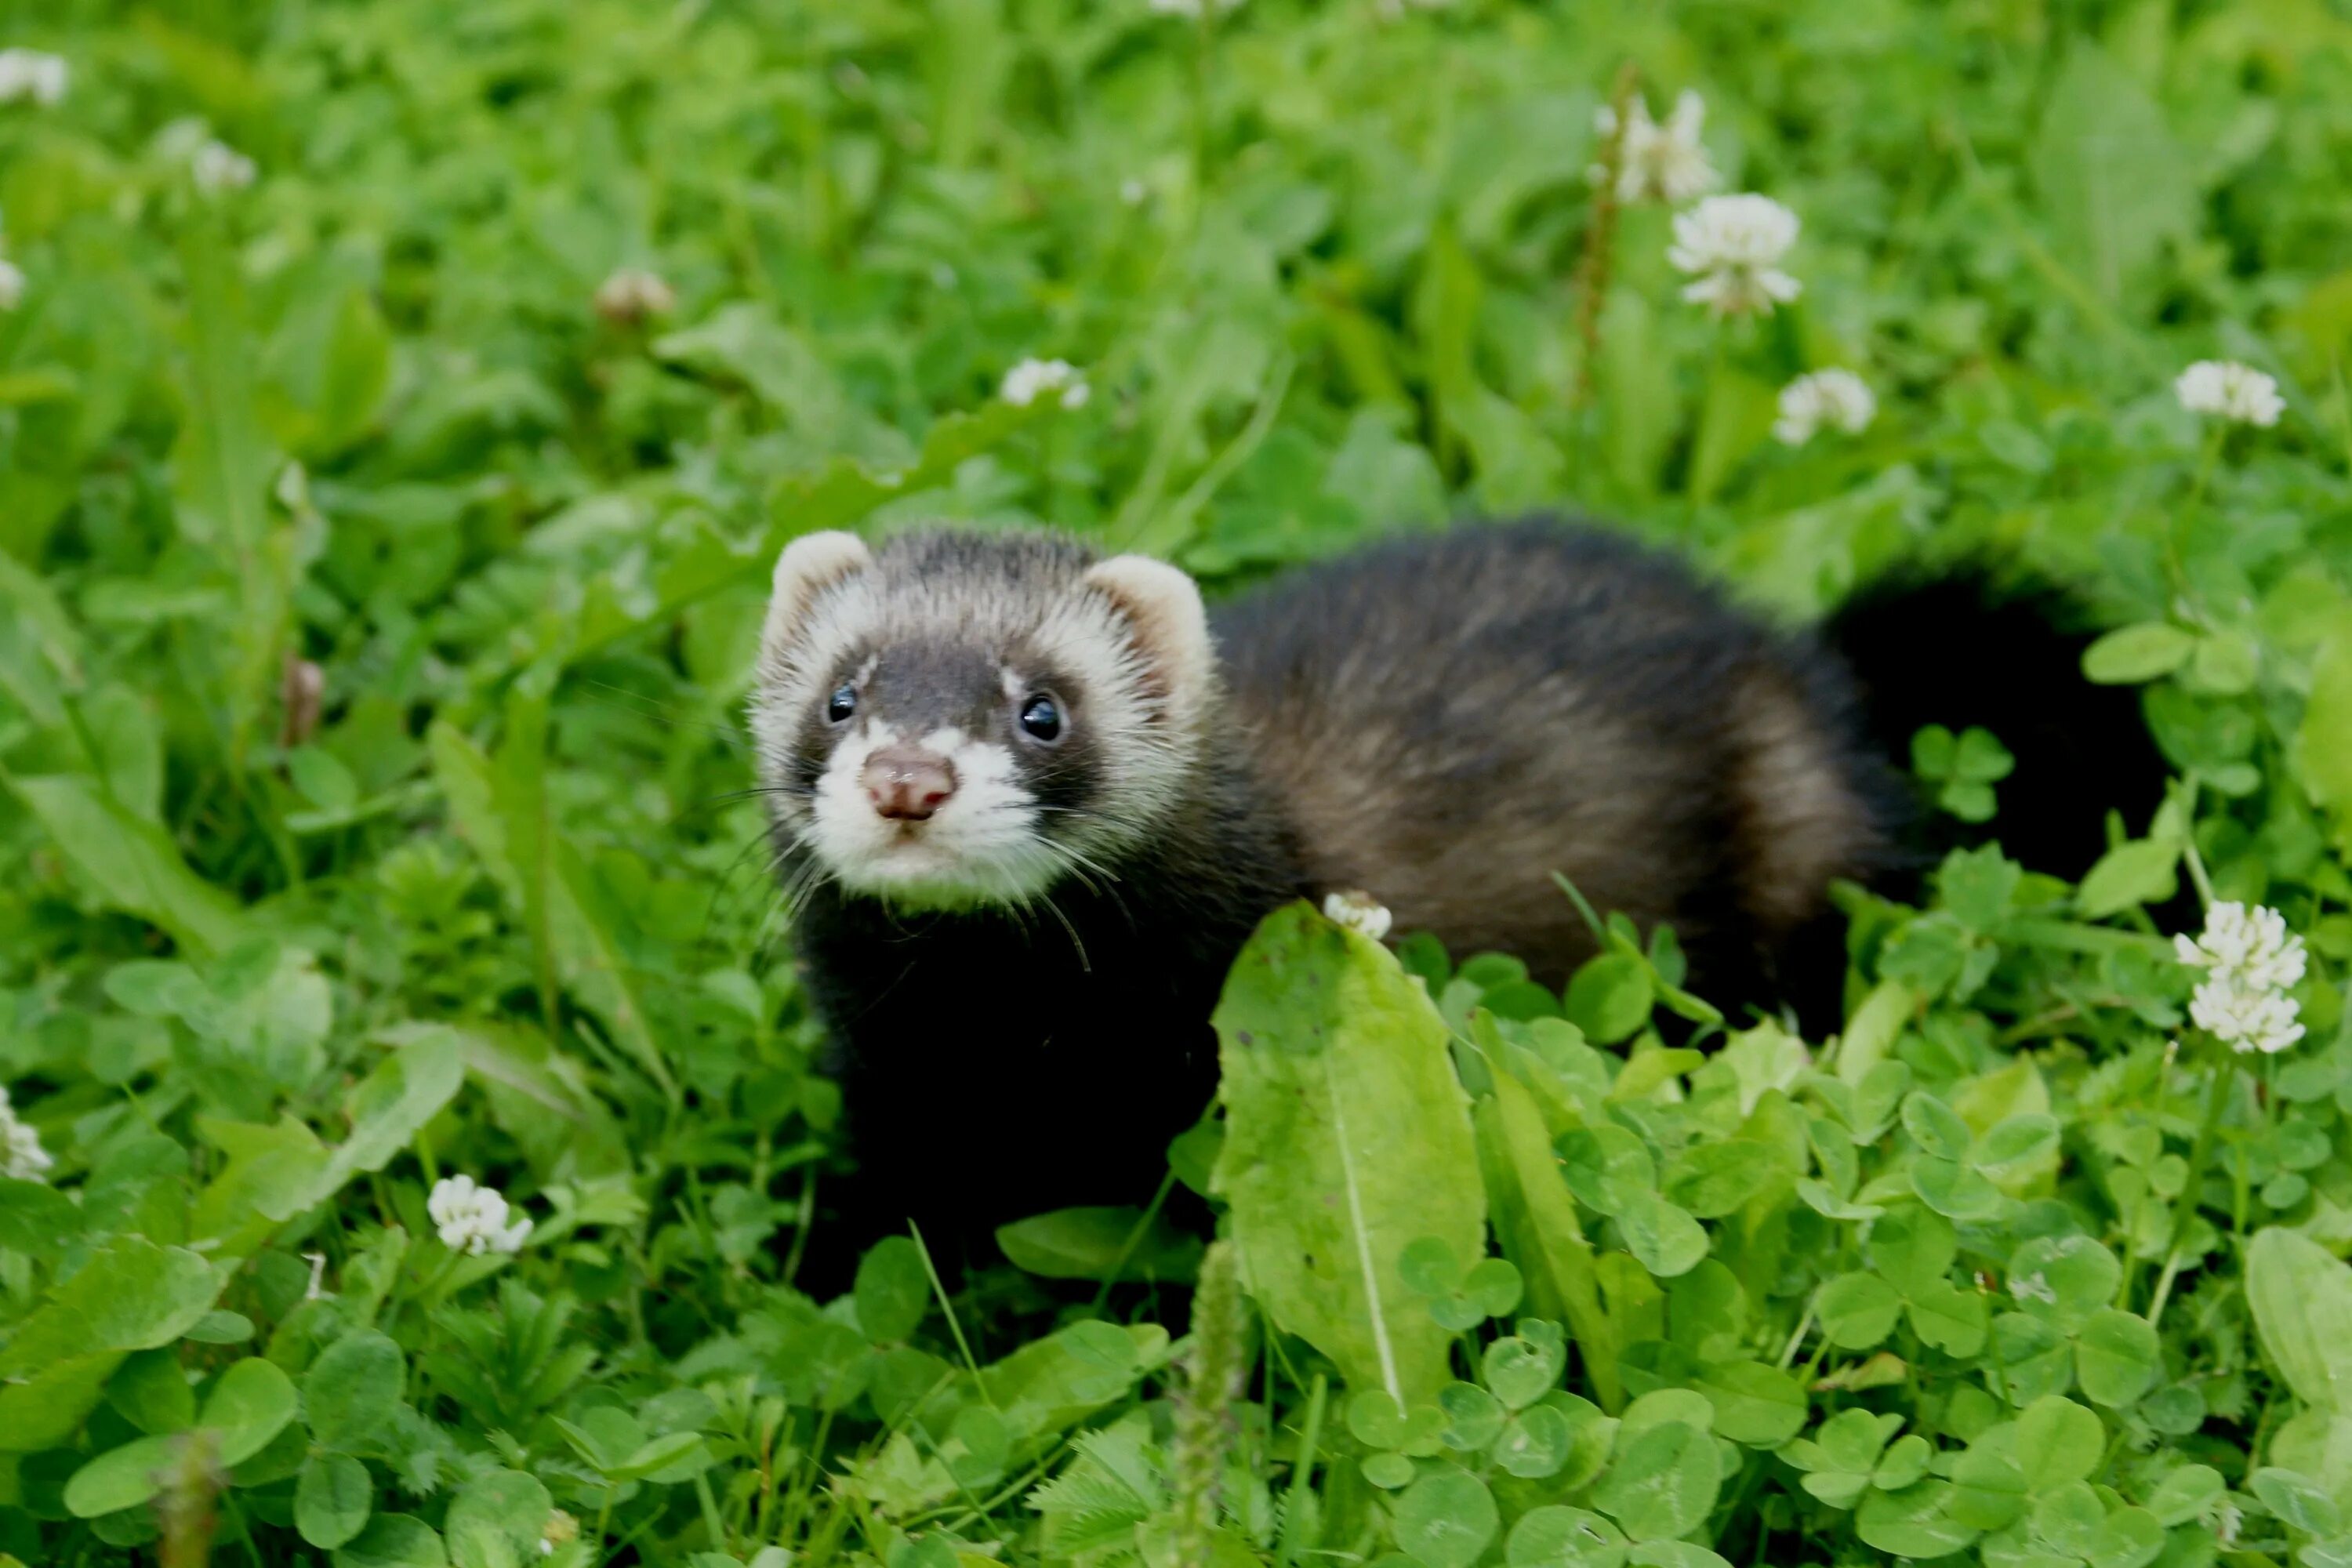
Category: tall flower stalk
<point>1207,1425</point>
<point>1601,233</point>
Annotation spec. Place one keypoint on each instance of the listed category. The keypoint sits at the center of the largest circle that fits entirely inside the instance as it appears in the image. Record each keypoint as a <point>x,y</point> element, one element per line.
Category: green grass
<point>1999,1273</point>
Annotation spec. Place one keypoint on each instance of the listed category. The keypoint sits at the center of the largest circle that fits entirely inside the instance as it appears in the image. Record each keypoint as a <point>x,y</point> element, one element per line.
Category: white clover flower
<point>2228,1520</point>
<point>1359,911</point>
<point>218,168</point>
<point>2245,1019</point>
<point>1838,398</point>
<point>2252,945</point>
<point>1026,380</point>
<point>472,1219</point>
<point>2032,1287</point>
<point>1667,163</point>
<point>2227,390</point>
<point>22,1158</point>
<point>30,74</point>
<point>634,294</point>
<point>2251,962</point>
<point>318,1262</point>
<point>12,285</point>
<point>1732,246</point>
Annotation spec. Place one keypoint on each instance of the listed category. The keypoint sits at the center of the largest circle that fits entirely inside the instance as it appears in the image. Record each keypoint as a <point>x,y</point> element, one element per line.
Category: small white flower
<point>2228,1520</point>
<point>22,1158</point>
<point>318,1262</point>
<point>2032,1287</point>
<point>30,74</point>
<point>12,285</point>
<point>1732,246</point>
<point>1838,398</point>
<point>2247,1020</point>
<point>1359,911</point>
<point>472,1219</point>
<point>1026,381</point>
<point>634,294</point>
<point>1667,162</point>
<point>2250,945</point>
<point>2251,962</point>
<point>2227,390</point>
<point>217,168</point>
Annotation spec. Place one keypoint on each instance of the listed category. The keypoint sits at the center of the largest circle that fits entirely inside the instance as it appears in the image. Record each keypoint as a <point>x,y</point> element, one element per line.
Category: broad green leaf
<point>2324,747</point>
<point>332,1499</point>
<point>1099,1243</point>
<point>1607,1166</point>
<point>2115,183</point>
<point>1665,1238</point>
<point>2142,872</point>
<point>151,1390</point>
<point>393,1541</point>
<point>353,1391</point>
<point>495,1522</point>
<point>1913,1523</point>
<point>1661,1483</point>
<point>1857,1311</point>
<point>2058,1441</point>
<point>2118,1356</point>
<point>130,864</point>
<point>399,1094</point>
<point>35,1219</point>
<point>48,1408</point>
<point>249,1405</point>
<point>2131,655</point>
<point>133,1296</point>
<point>1445,1518</point>
<point>1346,1139</point>
<point>2302,1301</point>
<point>121,1477</point>
<point>1609,998</point>
<point>1934,1126</point>
<point>1754,1404</point>
<point>1558,1537</point>
<point>893,1289</point>
<point>2186,1493</point>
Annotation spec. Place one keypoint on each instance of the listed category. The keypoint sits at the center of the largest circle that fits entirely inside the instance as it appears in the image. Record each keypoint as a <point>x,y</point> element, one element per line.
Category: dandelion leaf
<point>1347,1138</point>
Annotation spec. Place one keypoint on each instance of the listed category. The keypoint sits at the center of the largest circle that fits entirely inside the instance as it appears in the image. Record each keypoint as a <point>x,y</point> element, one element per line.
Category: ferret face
<point>967,720</point>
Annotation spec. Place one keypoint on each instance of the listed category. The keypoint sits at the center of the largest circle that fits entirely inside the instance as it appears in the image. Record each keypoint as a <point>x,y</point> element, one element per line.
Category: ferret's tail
<point>1993,645</point>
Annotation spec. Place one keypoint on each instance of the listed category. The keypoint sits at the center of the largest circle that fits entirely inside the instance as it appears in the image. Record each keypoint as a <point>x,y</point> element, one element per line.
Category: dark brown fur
<point>1447,722</point>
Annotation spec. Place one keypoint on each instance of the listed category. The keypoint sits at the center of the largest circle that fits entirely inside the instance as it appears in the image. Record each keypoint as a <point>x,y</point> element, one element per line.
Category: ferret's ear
<point>1172,627</point>
<point>809,565</point>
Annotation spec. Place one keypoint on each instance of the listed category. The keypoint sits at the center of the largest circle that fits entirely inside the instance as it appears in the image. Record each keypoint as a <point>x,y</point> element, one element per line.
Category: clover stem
<point>2217,1100</point>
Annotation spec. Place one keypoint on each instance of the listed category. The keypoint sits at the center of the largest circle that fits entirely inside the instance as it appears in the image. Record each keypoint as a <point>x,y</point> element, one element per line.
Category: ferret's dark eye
<point>1041,719</point>
<point>842,704</point>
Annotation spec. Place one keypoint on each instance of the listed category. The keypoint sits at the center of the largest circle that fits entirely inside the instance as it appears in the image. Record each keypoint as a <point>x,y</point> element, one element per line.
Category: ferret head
<point>965,719</point>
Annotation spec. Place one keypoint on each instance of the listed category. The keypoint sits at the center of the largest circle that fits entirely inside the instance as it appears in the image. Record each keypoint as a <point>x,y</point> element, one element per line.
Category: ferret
<point>1028,802</point>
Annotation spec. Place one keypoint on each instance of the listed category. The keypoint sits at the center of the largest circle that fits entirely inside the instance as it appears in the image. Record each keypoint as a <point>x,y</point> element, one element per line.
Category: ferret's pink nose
<point>907,782</point>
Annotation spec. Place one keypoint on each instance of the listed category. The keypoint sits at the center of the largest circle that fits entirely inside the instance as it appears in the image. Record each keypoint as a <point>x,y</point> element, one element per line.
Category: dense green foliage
<point>378,579</point>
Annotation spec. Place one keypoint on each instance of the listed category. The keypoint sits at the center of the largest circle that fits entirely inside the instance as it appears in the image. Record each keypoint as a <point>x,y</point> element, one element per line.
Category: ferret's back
<point>1450,719</point>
